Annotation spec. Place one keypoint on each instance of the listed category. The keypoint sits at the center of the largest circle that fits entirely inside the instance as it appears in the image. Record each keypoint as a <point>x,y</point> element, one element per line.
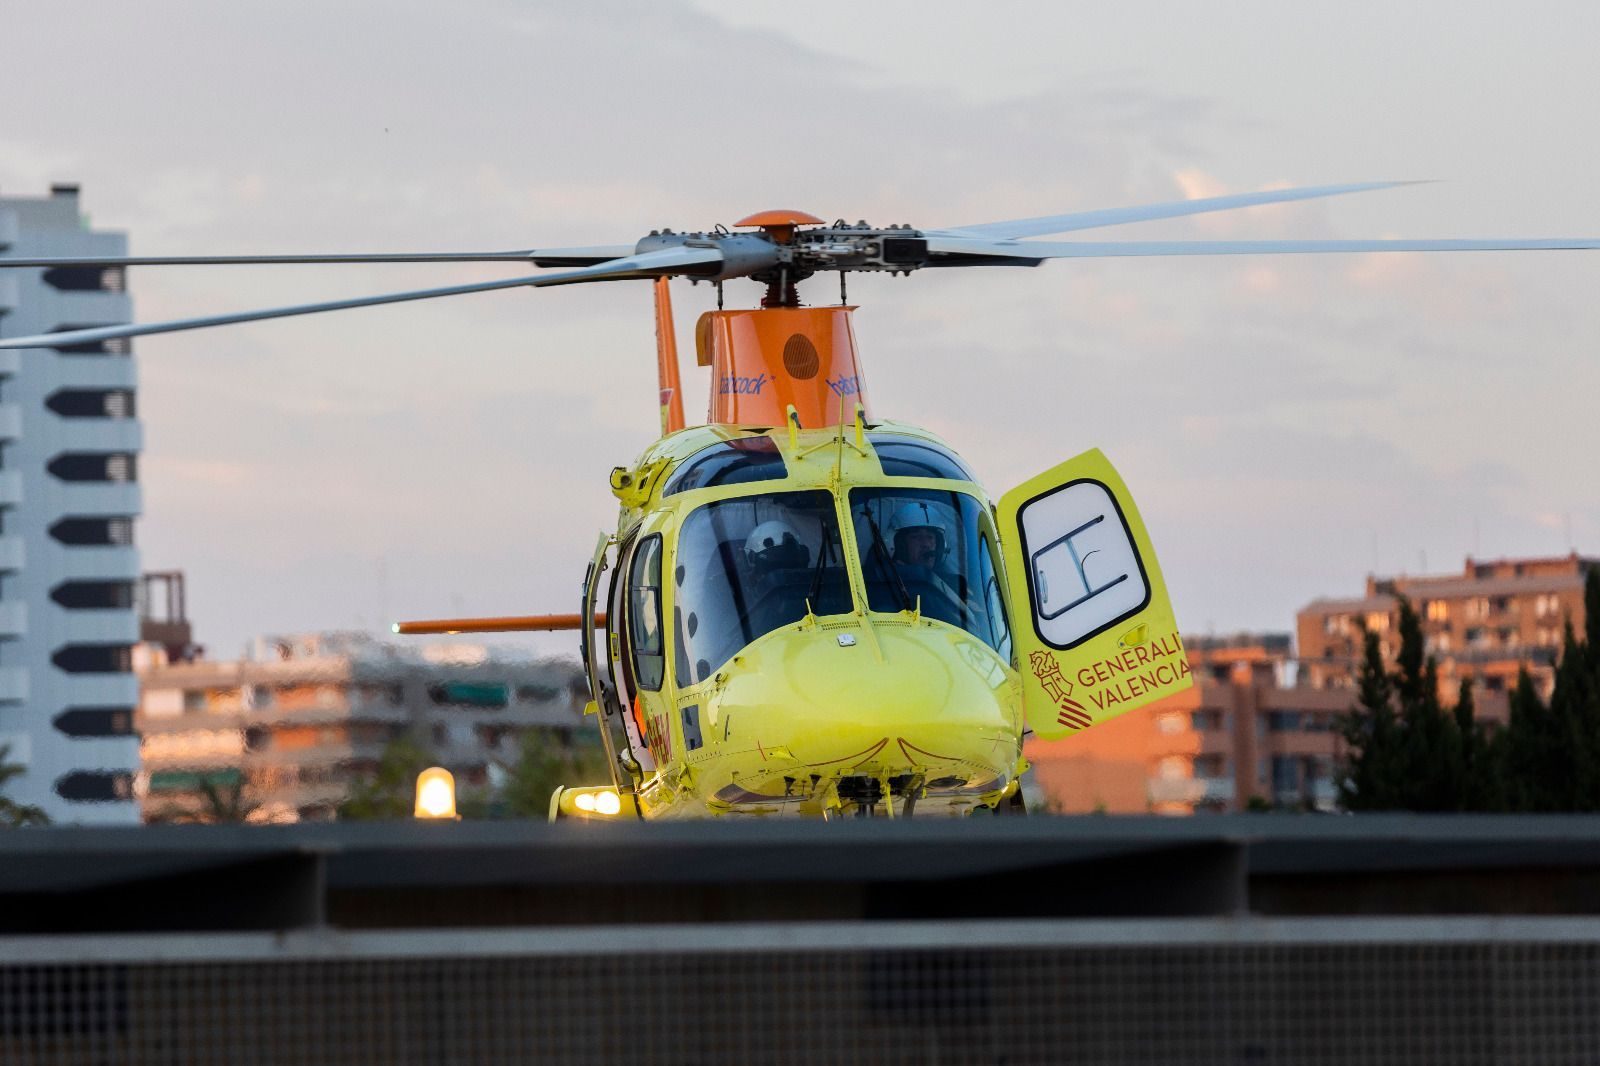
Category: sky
<point>1287,425</point>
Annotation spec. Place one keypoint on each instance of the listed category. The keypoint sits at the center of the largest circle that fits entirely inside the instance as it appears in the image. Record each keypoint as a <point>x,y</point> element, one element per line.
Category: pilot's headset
<point>774,545</point>
<point>920,514</point>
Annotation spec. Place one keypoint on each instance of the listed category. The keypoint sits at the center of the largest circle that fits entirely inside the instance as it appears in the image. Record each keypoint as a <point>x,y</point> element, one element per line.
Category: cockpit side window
<point>994,599</point>
<point>730,462</point>
<point>929,548</point>
<point>748,565</point>
<point>909,457</point>
<point>644,614</point>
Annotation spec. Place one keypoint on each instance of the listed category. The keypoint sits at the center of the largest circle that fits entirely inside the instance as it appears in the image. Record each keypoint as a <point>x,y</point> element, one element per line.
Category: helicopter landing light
<point>592,802</point>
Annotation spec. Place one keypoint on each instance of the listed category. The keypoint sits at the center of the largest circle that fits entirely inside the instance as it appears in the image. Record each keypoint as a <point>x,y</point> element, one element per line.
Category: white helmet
<point>774,544</point>
<point>920,514</point>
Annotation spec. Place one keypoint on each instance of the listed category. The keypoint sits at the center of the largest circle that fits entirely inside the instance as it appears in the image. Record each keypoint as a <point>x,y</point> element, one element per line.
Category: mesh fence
<point>1488,1002</point>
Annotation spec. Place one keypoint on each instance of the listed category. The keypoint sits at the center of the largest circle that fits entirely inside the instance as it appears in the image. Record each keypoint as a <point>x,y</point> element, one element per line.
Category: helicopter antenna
<point>838,462</point>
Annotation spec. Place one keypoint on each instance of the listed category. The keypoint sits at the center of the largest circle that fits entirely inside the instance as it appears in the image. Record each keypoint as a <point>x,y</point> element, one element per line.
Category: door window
<point>644,614</point>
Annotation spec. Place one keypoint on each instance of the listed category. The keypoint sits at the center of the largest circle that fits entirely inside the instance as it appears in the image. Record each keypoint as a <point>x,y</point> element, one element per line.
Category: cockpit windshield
<point>932,546</point>
<point>729,462</point>
<point>748,565</point>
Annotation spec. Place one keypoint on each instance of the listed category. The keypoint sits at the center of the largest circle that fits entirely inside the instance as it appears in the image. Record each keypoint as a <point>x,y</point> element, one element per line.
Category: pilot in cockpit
<point>773,551</point>
<point>917,533</point>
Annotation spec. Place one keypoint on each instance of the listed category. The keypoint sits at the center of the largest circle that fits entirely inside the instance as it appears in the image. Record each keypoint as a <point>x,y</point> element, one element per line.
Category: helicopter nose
<point>898,696</point>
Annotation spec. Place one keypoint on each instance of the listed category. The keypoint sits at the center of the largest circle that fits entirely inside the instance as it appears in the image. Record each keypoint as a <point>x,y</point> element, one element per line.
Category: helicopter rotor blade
<point>965,252</point>
<point>1116,216</point>
<point>645,265</point>
<point>544,257</point>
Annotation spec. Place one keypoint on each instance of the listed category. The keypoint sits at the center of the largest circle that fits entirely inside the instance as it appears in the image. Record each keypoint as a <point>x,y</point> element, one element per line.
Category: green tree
<point>1370,780</point>
<point>220,804</point>
<point>391,791</point>
<point>12,813</point>
<point>541,767</point>
<point>1406,752</point>
<point>1483,761</point>
<point>1552,751</point>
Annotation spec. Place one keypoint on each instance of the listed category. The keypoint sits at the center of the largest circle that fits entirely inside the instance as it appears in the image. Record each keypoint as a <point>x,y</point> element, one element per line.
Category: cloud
<point>1271,414</point>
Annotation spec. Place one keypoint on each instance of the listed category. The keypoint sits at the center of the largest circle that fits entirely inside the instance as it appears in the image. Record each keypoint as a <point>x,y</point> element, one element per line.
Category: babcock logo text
<point>845,386</point>
<point>736,385</point>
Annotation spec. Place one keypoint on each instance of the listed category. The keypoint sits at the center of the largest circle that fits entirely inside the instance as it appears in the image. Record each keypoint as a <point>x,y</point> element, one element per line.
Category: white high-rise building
<point>68,498</point>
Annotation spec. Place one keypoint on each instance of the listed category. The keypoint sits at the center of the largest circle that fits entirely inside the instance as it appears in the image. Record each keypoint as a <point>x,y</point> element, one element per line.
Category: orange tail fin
<point>667,362</point>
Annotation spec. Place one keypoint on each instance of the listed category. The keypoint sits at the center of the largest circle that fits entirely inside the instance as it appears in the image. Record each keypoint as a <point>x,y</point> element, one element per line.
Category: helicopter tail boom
<point>532,623</point>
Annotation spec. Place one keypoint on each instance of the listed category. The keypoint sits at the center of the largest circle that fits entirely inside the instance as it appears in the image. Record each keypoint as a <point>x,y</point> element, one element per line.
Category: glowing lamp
<point>436,793</point>
<point>606,802</point>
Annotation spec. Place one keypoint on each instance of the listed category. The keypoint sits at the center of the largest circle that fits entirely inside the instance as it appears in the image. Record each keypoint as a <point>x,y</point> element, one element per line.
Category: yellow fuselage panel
<point>887,697</point>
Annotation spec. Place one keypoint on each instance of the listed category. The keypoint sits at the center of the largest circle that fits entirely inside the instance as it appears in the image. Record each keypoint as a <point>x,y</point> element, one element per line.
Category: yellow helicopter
<point>813,611</point>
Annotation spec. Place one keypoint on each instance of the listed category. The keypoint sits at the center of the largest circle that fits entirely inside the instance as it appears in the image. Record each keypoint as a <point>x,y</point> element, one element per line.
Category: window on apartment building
<point>1377,622</point>
<point>95,658</point>
<point>1438,610</point>
<point>1476,636</point>
<point>1336,624</point>
<point>1283,721</point>
<point>1477,608</point>
<point>92,595</point>
<point>1547,605</point>
<point>95,721</point>
<point>93,532</point>
<point>116,346</point>
<point>375,693</point>
<point>86,278</point>
<point>485,694</point>
<point>92,403</point>
<point>85,786</point>
<point>1319,722</point>
<point>93,466</point>
<point>1494,683</point>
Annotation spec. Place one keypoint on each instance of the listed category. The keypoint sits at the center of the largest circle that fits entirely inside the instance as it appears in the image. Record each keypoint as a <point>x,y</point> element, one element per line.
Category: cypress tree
<point>1372,774</point>
<point>1573,770</point>
<point>1552,752</point>
<point>1482,785</point>
<point>1406,752</point>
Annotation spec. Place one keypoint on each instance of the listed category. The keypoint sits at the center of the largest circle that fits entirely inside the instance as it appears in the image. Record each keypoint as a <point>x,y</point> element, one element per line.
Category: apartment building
<point>1252,732</point>
<point>69,446</point>
<point>303,717</point>
<point>1486,623</point>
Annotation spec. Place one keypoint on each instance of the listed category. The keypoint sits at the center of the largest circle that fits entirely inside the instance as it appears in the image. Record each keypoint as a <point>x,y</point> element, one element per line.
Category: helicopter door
<point>1094,630</point>
<point>599,700</point>
<point>624,666</point>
